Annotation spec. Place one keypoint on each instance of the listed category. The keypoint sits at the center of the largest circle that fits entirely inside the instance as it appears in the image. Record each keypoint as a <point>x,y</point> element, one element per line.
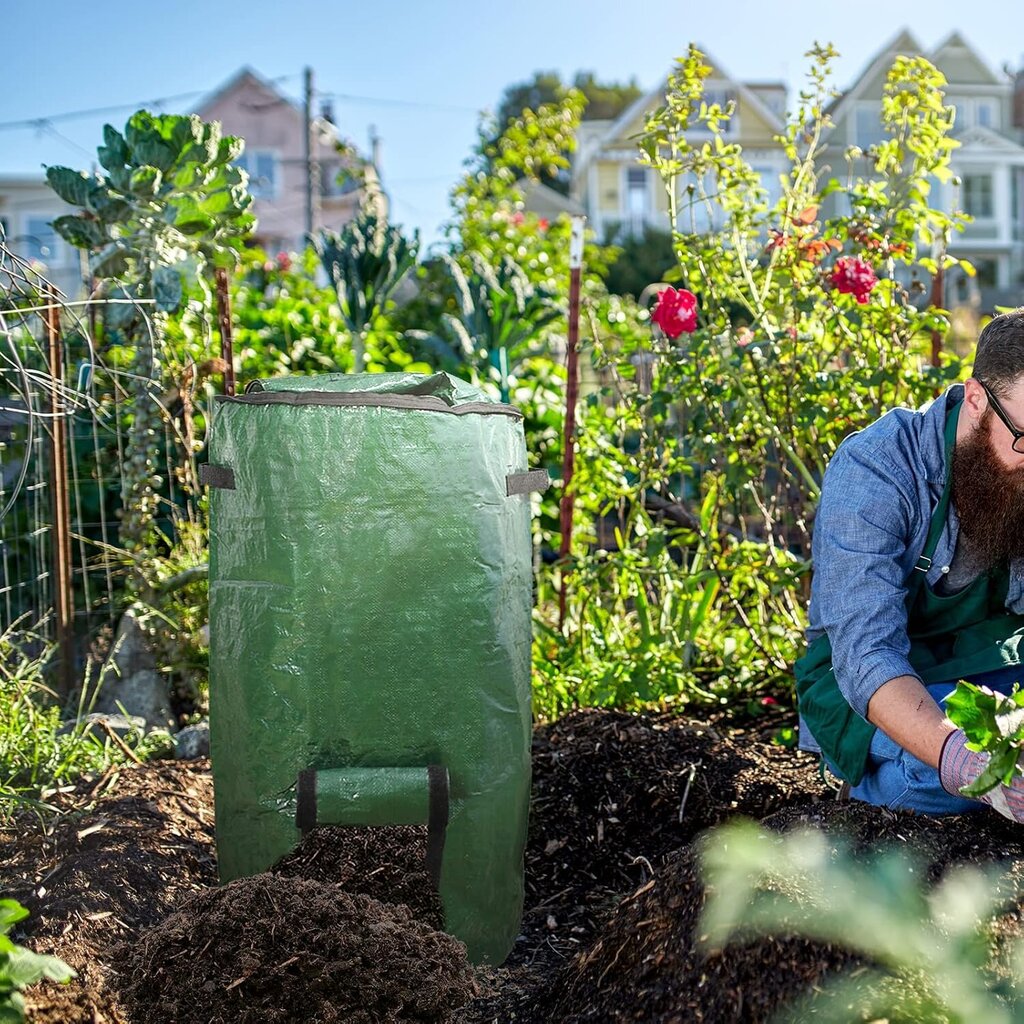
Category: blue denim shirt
<point>878,495</point>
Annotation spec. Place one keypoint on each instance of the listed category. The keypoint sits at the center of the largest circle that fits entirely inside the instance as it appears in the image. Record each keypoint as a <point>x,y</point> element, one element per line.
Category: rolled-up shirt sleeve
<point>862,533</point>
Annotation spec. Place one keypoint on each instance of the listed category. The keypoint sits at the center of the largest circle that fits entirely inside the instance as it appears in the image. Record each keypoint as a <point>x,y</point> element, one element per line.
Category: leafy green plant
<point>20,967</point>
<point>928,952</point>
<point>501,318</point>
<point>366,262</point>
<point>994,724</point>
<point>169,205</point>
<point>711,431</point>
<point>39,751</point>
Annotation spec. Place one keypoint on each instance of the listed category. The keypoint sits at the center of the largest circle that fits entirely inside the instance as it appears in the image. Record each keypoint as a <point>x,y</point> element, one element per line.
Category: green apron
<point>951,637</point>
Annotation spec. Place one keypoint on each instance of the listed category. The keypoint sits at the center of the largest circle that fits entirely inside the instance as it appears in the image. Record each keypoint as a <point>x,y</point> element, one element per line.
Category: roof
<point>242,76</point>
<point>546,201</point>
<point>906,43</point>
<point>655,97</point>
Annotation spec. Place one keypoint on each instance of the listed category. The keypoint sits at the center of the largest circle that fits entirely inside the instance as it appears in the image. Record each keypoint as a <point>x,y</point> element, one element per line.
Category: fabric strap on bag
<point>524,483</point>
<point>217,476</point>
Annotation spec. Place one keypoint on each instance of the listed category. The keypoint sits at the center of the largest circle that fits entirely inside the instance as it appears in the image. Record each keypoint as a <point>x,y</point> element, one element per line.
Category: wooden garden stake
<point>571,396</point>
<point>63,592</point>
<point>227,352</point>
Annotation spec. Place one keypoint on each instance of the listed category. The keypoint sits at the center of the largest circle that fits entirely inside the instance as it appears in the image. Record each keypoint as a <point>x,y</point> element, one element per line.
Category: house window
<point>978,195</point>
<point>985,114</point>
<point>261,166</point>
<point>637,200</point>
<point>39,241</point>
<point>868,126</point>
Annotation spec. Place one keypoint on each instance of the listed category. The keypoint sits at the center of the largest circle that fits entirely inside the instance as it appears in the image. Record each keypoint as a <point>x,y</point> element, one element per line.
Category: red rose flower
<point>676,312</point>
<point>284,261</point>
<point>853,276</point>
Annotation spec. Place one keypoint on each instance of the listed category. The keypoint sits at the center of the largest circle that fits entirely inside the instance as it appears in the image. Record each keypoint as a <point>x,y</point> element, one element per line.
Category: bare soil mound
<point>388,864</point>
<point>131,845</point>
<point>344,928</point>
<point>646,967</point>
<point>613,794</point>
<point>272,949</point>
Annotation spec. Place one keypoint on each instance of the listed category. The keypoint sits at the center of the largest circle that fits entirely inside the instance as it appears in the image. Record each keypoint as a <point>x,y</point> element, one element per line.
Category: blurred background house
<point>293,193</point>
<point>276,158</point>
<point>626,202</point>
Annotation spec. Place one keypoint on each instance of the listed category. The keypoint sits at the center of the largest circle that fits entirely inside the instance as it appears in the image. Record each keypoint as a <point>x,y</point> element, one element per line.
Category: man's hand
<point>959,767</point>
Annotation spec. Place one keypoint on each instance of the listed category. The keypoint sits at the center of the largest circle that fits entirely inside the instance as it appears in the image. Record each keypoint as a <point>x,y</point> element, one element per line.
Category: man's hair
<point>999,361</point>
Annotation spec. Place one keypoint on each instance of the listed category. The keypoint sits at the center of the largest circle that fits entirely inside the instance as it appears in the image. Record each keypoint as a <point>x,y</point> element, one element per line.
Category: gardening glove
<point>959,767</point>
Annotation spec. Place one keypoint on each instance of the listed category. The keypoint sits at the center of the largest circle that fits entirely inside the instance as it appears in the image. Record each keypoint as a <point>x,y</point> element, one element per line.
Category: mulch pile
<point>131,846</point>
<point>388,864</point>
<point>272,949</point>
<point>345,927</point>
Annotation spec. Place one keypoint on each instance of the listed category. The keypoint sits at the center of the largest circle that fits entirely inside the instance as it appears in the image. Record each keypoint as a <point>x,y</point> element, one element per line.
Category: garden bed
<point>122,887</point>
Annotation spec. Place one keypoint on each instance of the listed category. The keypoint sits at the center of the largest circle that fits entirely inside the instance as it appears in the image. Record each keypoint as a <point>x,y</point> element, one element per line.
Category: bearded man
<point>919,582</point>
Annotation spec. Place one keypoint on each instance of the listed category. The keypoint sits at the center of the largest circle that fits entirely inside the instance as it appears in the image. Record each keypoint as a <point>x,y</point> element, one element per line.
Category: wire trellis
<point>58,392</point>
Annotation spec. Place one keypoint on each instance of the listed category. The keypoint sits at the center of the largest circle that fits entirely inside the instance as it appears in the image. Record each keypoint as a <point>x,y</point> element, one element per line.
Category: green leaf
<point>81,232</point>
<point>970,709</point>
<point>231,148</point>
<point>114,152</point>
<point>11,912</point>
<point>72,186</point>
<point>109,208</point>
<point>23,968</point>
<point>167,289</point>
<point>109,262</point>
<point>146,181</point>
<point>154,154</point>
<point>12,1009</point>
<point>189,218</point>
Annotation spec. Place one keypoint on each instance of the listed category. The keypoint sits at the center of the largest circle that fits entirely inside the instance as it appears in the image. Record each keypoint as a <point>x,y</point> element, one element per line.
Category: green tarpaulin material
<point>370,628</point>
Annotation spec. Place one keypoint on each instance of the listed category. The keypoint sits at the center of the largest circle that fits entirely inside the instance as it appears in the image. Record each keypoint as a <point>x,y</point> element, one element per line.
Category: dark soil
<point>272,949</point>
<point>346,928</point>
<point>131,846</point>
<point>385,863</point>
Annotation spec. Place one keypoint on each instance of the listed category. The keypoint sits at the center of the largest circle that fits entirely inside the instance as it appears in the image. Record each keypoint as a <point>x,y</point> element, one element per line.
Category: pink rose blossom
<point>676,312</point>
<point>853,276</point>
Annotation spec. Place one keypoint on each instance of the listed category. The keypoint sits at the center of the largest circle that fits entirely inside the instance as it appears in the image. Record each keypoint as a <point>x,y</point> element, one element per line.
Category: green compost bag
<point>370,628</point>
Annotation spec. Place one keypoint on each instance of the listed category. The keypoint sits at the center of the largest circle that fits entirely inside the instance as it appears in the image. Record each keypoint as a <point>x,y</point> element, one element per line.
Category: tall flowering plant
<point>790,323</point>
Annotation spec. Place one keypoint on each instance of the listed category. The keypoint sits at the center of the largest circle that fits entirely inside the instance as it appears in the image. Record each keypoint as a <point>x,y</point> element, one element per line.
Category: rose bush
<point>701,461</point>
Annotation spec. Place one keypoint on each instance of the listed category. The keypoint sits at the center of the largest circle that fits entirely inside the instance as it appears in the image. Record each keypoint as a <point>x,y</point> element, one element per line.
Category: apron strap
<point>938,520</point>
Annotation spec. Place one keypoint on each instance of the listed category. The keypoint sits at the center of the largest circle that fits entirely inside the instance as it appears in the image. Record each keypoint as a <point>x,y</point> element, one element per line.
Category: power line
<point>70,115</point>
<point>390,102</point>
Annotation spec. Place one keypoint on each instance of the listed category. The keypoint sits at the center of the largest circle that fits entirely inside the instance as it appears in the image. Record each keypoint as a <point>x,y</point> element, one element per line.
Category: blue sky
<point>420,72</point>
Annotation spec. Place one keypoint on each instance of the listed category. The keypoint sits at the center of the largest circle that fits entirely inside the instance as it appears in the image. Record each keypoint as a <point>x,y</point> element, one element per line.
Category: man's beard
<point>988,497</point>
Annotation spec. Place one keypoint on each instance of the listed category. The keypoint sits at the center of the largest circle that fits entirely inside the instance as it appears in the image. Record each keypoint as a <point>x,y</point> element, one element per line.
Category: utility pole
<point>308,149</point>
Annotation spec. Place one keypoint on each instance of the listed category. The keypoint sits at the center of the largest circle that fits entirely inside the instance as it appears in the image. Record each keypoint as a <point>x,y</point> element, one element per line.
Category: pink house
<point>273,127</point>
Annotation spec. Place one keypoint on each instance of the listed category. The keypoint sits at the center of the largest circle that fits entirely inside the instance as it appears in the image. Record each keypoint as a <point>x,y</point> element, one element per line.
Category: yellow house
<point>989,161</point>
<point>622,197</point>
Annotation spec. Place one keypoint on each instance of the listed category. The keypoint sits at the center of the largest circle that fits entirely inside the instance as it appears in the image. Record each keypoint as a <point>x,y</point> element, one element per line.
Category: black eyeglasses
<point>1018,435</point>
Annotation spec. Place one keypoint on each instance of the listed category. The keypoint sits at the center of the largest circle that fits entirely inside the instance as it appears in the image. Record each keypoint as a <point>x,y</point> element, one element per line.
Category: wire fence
<point>63,429</point>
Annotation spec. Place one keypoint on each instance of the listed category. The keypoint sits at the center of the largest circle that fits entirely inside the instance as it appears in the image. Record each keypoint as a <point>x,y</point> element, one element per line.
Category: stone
<point>193,741</point>
<point>129,681</point>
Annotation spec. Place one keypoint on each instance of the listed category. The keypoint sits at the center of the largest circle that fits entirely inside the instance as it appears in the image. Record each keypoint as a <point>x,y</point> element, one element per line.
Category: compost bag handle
<point>378,796</point>
<point>524,483</point>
